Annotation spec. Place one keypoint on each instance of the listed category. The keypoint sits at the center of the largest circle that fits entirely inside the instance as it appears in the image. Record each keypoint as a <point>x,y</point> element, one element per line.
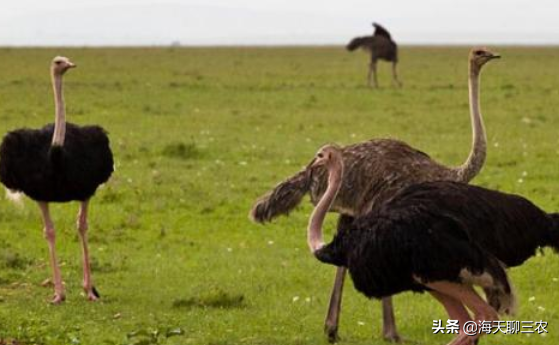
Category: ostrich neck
<point>476,158</point>
<point>60,119</point>
<point>314,230</point>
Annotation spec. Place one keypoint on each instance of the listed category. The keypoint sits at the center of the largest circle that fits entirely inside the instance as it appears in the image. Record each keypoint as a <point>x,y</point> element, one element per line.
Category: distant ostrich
<point>443,237</point>
<point>381,46</point>
<point>375,170</point>
<point>58,163</point>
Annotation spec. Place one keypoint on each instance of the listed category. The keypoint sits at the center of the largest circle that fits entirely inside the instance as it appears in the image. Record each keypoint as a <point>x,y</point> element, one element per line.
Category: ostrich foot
<point>393,337</point>
<point>331,332</point>
<point>58,298</point>
<point>464,340</point>
<point>92,294</point>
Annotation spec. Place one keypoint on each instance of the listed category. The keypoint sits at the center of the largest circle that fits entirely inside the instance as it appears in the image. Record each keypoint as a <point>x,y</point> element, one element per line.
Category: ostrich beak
<point>72,65</point>
<point>495,56</point>
<point>311,164</point>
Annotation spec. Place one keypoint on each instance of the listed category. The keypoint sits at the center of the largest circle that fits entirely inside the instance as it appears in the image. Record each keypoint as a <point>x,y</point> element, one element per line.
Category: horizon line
<point>271,45</point>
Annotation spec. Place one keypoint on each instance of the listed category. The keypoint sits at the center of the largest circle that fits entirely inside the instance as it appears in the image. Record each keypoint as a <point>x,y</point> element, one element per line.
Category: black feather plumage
<point>433,230</point>
<point>510,226</point>
<point>381,31</point>
<point>385,256</point>
<point>30,164</point>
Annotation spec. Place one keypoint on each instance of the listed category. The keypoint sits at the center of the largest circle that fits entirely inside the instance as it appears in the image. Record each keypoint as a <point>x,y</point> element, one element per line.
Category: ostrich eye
<point>479,52</point>
<point>320,155</point>
<point>58,62</point>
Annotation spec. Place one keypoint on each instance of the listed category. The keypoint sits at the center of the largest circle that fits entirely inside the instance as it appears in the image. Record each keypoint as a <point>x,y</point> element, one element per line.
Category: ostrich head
<point>61,64</point>
<point>479,57</point>
<point>336,252</point>
<point>327,156</point>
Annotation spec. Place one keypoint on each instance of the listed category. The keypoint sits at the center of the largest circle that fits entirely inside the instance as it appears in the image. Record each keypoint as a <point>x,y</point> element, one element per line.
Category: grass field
<point>199,134</point>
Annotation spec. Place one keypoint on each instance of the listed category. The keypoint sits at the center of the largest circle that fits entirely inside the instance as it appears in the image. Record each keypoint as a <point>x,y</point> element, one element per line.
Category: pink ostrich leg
<point>457,296</point>
<point>90,290</point>
<point>454,308</point>
<point>50,236</point>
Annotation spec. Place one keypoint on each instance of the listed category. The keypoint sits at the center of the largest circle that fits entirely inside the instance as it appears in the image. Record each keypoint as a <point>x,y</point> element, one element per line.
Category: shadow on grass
<point>181,150</point>
<point>213,299</point>
<point>13,260</point>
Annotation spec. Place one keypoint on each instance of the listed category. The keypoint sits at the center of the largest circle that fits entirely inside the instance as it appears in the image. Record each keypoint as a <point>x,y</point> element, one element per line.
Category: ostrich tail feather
<point>282,199</point>
<point>15,197</point>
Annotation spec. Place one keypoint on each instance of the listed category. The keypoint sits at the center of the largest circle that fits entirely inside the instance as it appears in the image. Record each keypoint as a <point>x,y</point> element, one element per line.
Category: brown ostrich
<point>381,46</point>
<point>374,171</point>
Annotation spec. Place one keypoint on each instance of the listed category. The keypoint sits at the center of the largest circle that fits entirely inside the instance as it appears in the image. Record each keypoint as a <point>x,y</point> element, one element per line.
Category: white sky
<point>244,22</point>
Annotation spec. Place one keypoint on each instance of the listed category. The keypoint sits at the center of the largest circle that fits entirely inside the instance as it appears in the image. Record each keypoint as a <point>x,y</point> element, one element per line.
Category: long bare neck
<point>476,158</point>
<point>314,229</point>
<point>60,119</point>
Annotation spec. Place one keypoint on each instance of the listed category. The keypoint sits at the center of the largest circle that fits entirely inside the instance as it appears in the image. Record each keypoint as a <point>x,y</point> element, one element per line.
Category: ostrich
<point>442,236</point>
<point>375,170</point>
<point>58,163</point>
<point>381,47</point>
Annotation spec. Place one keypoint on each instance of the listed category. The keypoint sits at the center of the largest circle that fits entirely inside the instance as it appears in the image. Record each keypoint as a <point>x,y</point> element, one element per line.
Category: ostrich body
<point>381,46</point>
<point>374,171</point>
<point>60,162</point>
<point>508,226</point>
<point>407,245</point>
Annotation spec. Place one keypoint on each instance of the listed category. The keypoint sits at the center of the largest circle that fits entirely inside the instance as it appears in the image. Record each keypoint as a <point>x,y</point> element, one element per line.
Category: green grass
<point>199,134</point>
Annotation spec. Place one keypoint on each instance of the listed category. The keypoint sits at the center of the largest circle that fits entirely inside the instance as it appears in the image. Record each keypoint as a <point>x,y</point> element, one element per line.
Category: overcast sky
<point>247,22</point>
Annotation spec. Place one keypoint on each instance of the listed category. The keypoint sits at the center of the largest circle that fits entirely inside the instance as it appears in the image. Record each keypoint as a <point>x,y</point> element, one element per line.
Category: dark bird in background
<point>441,237</point>
<point>374,171</point>
<point>381,46</point>
<point>60,162</point>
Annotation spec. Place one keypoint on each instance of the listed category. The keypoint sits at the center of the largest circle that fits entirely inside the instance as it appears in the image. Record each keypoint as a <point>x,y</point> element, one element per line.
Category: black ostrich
<point>60,162</point>
<point>442,237</point>
<point>381,46</point>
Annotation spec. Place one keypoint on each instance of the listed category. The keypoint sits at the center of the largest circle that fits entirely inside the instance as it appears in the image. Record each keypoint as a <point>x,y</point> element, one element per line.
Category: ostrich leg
<point>468,297</point>
<point>389,331</point>
<point>395,74</point>
<point>333,315</point>
<point>90,290</point>
<point>50,236</point>
<point>454,308</point>
<point>373,73</point>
